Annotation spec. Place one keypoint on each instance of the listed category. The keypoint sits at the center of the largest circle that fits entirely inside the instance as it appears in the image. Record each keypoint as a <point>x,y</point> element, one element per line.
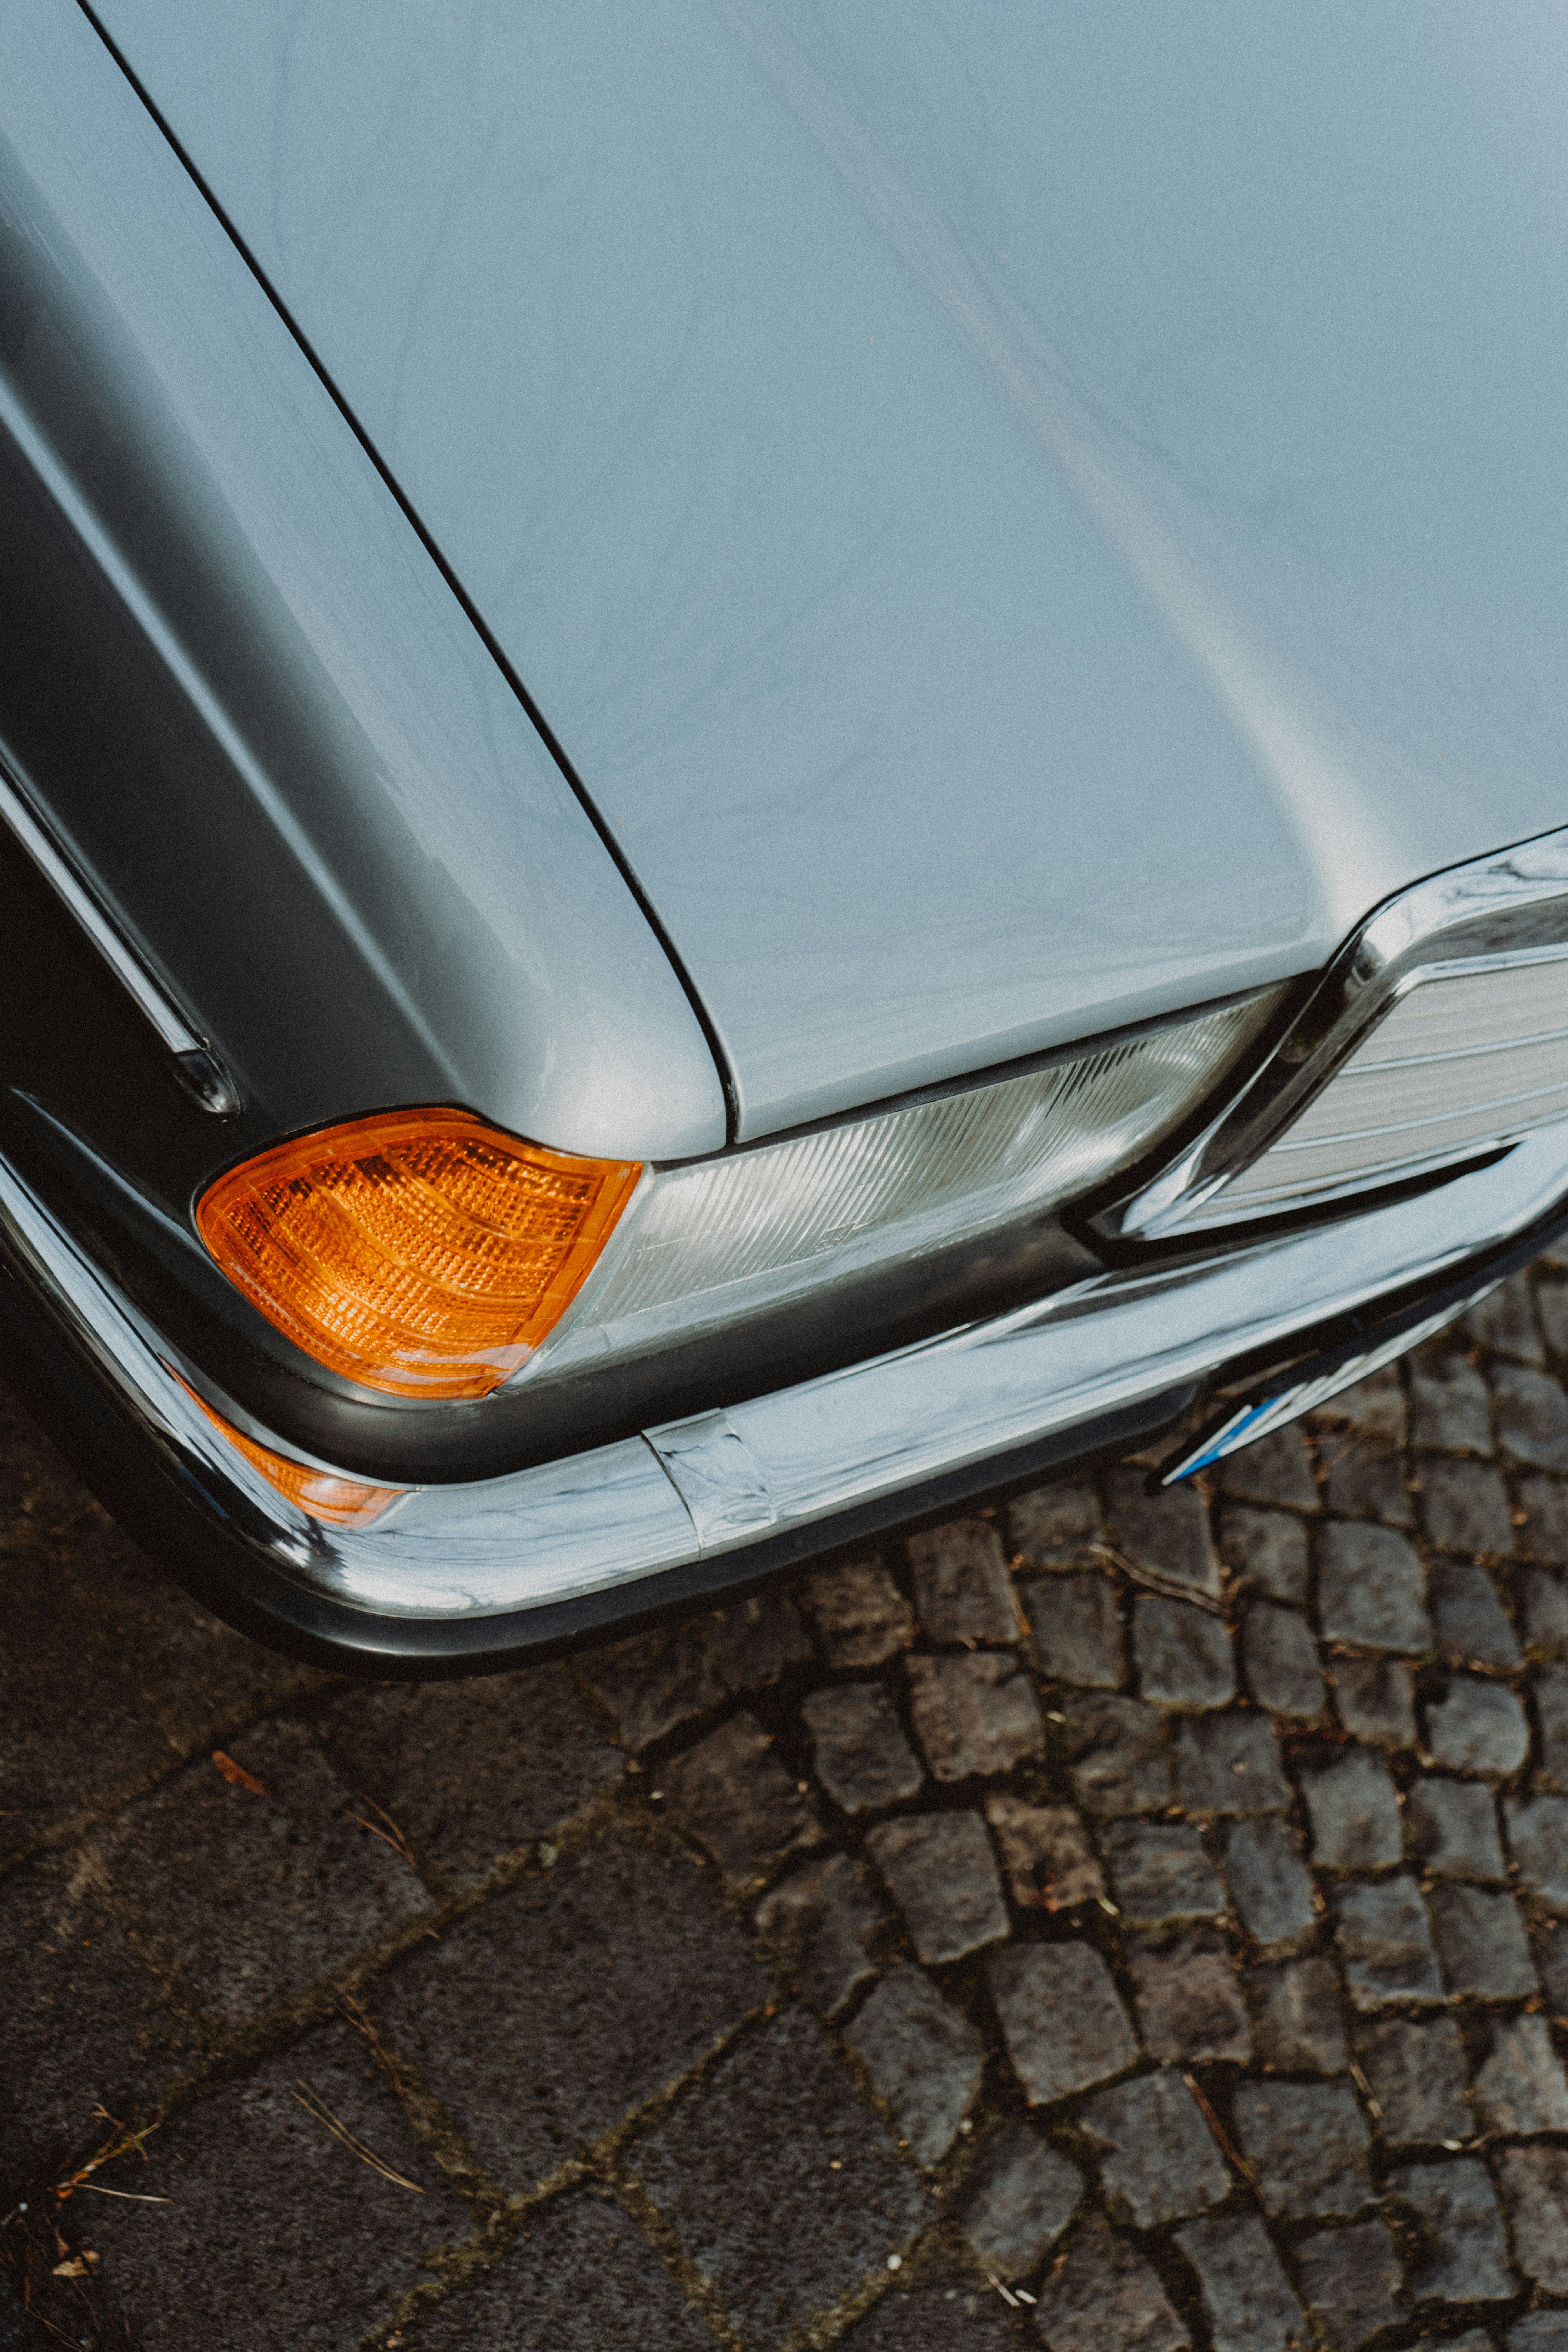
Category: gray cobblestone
<point>593,1997</point>
<point>862,1758</point>
<point>1296,2021</point>
<point>258,1895</point>
<point>1247,2296</point>
<point>580,2278</point>
<point>1554,1963</point>
<point>1477,1728</point>
<point>820,1921</point>
<point>924,2308</point>
<point>1160,1872</point>
<point>819,2203</point>
<point>1350,2282</point>
<point>1119,1759</point>
<point>1158,2158</point>
<point>1375,1701</point>
<point>1470,2339</point>
<point>272,2290</point>
<point>106,1672</point>
<point>1542,1533</point>
<point>1045,1851</point>
<point>1506,1322</point>
<point>733,1795</point>
<point>80,2024</point>
<point>1373,1407</point>
<point>1265,1552</point>
<point>1541,1529</point>
<point>656,1681</point>
<point>1076,1628</point>
<point>1017,2200</point>
<point>1385,1942</point>
<point>861,1616</point>
<point>1532,1417</point>
<point>1054,1525</point>
<point>599,1983</point>
<point>974,1714</point>
<point>1449,1407</point>
<point>1416,2070</point>
<point>1279,1660</point>
<point>1353,1808</point>
<point>1481,1943</point>
<point>1370,1589</point>
<point>1188,1998</point>
<point>944,1878</point>
<point>1230,1764</point>
<point>1307,2146</point>
<point>1364,1482</point>
<point>1472,1627</point>
<point>1544,1600</point>
<point>1551,1306</point>
<point>925,2059</point>
<point>1268,1881</point>
<point>1540,2331</point>
<point>1182,1653</point>
<point>1450,1826</point>
<point>1167,1533</point>
<point>1278,1469</point>
<point>1518,2085</point>
<point>1061,2018</point>
<point>1465,2257</point>
<point>474,1770</point>
<point>1533,2186</point>
<point>1105,2298</point>
<point>1538,1840</point>
<point>17,2331</point>
<point>1464,1508</point>
<point>963,1591</point>
<point>1549,1687</point>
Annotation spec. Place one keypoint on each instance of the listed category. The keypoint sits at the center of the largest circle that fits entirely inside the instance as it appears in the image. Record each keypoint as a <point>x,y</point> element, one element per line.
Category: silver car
<point>760,765</point>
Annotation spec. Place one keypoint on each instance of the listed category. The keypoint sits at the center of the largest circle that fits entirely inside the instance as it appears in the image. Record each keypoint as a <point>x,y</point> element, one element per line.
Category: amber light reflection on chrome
<point>323,1494</point>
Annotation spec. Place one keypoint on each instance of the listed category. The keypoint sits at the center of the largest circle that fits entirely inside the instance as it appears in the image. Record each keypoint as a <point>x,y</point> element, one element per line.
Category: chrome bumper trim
<point>697,1489</point>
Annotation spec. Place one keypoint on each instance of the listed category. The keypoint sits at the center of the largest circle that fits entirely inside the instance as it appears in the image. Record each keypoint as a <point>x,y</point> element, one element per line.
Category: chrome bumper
<point>711,1488</point>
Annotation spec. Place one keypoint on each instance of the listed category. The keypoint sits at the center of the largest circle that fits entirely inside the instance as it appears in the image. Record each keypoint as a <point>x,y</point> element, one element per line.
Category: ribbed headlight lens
<point>721,1240</point>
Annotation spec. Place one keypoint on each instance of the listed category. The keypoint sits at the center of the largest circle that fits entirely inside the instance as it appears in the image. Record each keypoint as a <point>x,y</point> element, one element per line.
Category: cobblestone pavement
<point>1127,1924</point>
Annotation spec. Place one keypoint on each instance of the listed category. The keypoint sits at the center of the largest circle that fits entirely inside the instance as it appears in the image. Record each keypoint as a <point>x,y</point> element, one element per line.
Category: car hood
<point>1020,518</point>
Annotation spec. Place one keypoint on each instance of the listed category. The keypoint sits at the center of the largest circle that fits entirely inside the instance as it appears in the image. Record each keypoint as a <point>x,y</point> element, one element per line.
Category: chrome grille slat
<point>1402,1100</point>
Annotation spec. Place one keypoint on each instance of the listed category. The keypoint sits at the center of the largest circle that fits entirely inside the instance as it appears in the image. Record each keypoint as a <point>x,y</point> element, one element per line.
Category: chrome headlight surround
<point>1270,1150</point>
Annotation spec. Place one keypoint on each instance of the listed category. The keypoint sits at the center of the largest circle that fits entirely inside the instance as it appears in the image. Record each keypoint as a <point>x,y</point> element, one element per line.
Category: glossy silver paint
<point>364,877</point>
<point>700,1489</point>
<point>1025,517</point>
<point>1481,917</point>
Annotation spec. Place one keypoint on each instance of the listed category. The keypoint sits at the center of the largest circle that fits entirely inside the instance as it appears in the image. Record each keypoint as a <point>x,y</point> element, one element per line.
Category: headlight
<point>1439,1034</point>
<point>718,1241</point>
<point>427,1254</point>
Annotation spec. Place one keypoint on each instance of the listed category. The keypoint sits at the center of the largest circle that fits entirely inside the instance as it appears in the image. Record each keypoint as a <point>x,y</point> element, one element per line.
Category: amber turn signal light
<point>344,1502</point>
<point>419,1252</point>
